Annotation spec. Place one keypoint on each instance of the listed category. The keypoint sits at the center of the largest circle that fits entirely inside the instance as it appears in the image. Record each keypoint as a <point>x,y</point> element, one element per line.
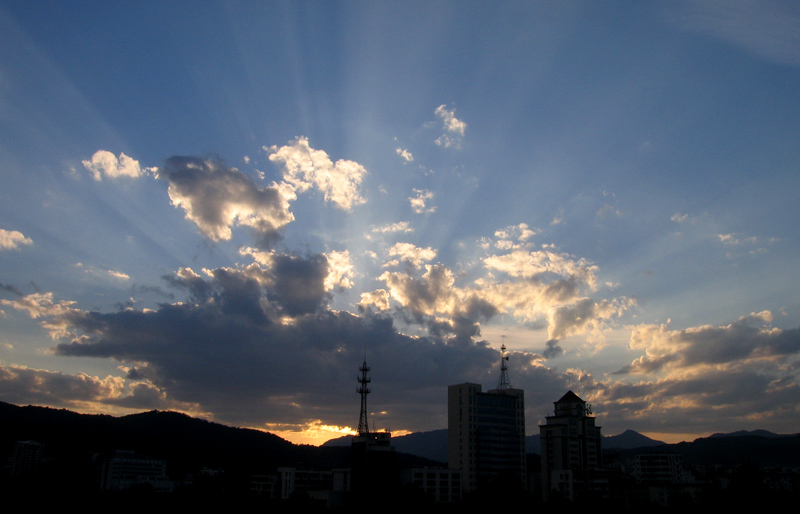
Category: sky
<point>224,208</point>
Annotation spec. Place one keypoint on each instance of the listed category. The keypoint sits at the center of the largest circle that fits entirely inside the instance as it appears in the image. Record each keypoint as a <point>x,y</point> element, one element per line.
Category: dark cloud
<point>299,283</point>
<point>552,349</point>
<point>11,289</point>
<point>25,386</point>
<point>749,338</point>
<point>251,349</point>
<point>744,397</point>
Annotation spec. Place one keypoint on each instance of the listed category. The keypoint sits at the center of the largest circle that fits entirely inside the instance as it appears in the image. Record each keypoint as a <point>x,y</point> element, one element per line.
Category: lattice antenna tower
<point>504,382</point>
<point>363,390</point>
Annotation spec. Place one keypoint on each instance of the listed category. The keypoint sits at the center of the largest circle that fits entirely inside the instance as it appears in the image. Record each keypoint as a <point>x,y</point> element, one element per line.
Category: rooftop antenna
<point>363,390</point>
<point>503,383</point>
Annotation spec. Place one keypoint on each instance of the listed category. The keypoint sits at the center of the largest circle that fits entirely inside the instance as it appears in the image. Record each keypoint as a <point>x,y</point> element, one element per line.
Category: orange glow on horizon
<point>673,438</point>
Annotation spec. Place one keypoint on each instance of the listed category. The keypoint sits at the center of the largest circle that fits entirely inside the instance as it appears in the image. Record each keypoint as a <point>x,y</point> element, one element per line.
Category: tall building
<point>572,457</point>
<point>486,432</point>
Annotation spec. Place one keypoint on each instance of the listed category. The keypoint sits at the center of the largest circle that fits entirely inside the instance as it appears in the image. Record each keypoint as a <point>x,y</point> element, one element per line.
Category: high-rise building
<point>486,432</point>
<point>571,452</point>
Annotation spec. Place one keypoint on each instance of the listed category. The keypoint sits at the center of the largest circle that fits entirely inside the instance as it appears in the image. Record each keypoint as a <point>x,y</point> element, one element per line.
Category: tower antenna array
<point>503,383</point>
<point>363,390</point>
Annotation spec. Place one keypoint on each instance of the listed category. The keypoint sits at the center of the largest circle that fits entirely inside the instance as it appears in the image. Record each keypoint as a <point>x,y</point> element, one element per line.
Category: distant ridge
<point>195,442</point>
<point>192,442</point>
<point>629,439</point>
<point>740,433</point>
<point>430,445</point>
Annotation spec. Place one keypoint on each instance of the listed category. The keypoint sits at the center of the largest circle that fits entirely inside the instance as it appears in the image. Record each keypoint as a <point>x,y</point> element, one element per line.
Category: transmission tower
<point>363,390</point>
<point>503,383</point>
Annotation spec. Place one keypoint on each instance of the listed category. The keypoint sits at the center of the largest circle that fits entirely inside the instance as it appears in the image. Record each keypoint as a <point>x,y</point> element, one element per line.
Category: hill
<point>186,443</point>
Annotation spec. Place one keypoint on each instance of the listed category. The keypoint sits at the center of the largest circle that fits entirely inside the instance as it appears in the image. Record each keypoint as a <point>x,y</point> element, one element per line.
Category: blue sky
<point>221,207</point>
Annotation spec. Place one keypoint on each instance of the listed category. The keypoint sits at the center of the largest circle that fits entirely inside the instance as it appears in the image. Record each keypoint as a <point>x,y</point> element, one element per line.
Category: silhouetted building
<point>441,485</point>
<point>571,452</point>
<point>26,457</point>
<point>486,432</point>
<point>660,468</point>
<point>126,469</point>
<point>325,486</point>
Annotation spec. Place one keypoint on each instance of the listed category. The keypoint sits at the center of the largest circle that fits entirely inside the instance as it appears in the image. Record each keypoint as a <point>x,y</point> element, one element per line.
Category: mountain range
<point>191,443</point>
<point>433,444</point>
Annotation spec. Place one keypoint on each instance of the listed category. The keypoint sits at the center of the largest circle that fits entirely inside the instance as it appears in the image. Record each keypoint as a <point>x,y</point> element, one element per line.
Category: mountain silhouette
<point>189,444</point>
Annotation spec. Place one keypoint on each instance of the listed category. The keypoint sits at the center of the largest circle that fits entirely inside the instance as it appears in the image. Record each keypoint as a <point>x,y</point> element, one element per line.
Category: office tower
<point>486,432</point>
<point>571,451</point>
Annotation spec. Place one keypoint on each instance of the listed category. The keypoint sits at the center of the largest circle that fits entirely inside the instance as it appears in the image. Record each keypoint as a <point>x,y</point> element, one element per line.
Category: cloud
<point>454,128</point>
<point>304,167</point>
<point>742,374</point>
<point>405,155</point>
<point>419,203</point>
<point>104,163</point>
<point>216,197</point>
<point>379,298</point>
<point>750,338</point>
<point>401,226</point>
<point>512,236</point>
<point>11,240</point>
<point>340,270</point>
<point>236,347</point>
<point>410,253</point>
<point>425,296</point>
<point>27,386</point>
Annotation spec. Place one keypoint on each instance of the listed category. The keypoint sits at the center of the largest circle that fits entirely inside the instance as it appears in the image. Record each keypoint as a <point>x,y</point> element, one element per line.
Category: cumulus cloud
<point>454,128</point>
<point>420,202</point>
<point>427,295</point>
<point>379,298</point>
<point>744,373</point>
<point>105,164</point>
<point>340,270</point>
<point>410,253</point>
<point>11,240</point>
<point>749,338</point>
<point>238,343</point>
<point>305,167</point>
<point>216,198</point>
<point>520,233</point>
<point>27,386</point>
<point>405,155</point>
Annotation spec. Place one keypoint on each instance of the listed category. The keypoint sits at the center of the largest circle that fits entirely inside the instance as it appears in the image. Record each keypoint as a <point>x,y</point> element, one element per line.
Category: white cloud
<point>520,233</point>
<point>105,163</point>
<point>118,274</point>
<point>340,270</point>
<point>400,226</point>
<point>379,298</point>
<point>304,167</point>
<point>410,253</point>
<point>11,239</point>
<point>216,198</point>
<point>405,154</point>
<point>420,202</point>
<point>454,128</point>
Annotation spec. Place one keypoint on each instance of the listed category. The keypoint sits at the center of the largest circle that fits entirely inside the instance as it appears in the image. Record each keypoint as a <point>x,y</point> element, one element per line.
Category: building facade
<point>486,435</point>
<point>571,451</point>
